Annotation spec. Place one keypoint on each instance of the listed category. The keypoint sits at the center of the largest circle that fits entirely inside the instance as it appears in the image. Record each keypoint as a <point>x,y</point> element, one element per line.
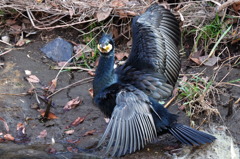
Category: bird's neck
<point>104,76</point>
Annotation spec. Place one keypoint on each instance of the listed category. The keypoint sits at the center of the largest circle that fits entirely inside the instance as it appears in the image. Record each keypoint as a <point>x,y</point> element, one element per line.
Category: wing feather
<point>131,126</point>
<point>156,36</point>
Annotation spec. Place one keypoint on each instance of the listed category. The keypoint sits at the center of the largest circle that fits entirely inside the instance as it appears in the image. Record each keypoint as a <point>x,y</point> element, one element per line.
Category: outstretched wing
<point>156,36</point>
<point>131,125</point>
<point>154,84</point>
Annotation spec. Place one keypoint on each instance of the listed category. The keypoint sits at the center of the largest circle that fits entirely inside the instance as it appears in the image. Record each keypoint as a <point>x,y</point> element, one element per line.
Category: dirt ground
<point>57,144</point>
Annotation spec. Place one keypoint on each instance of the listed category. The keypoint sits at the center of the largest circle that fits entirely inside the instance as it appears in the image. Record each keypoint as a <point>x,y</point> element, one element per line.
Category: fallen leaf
<point>103,13</point>
<point>21,128</point>
<point>236,6</point>
<point>196,60</point>
<point>10,22</point>
<point>2,140</point>
<point>72,103</point>
<point>73,141</point>
<point>42,134</point>
<point>91,73</point>
<point>5,124</point>
<point>52,150</point>
<point>121,55</point>
<point>195,57</point>
<point>69,132</point>
<point>15,29</point>
<point>33,79</point>
<point>53,85</point>
<point>125,13</point>
<point>211,61</point>
<point>90,91</point>
<point>22,42</point>
<point>90,132</point>
<point>117,3</point>
<point>77,121</point>
<point>181,107</point>
<point>50,115</point>
<point>9,137</point>
<point>71,149</point>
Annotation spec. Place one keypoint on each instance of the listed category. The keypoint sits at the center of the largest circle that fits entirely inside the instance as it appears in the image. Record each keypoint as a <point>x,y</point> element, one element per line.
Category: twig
<point>57,26</point>
<point>237,101</point>
<point>9,94</point>
<point>226,4</point>
<point>85,80</point>
<point>6,52</point>
<point>72,68</point>
<point>6,43</point>
<point>170,101</point>
<point>35,92</point>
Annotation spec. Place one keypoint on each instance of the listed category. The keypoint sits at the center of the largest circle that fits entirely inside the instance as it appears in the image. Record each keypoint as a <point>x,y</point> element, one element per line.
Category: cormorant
<point>129,95</point>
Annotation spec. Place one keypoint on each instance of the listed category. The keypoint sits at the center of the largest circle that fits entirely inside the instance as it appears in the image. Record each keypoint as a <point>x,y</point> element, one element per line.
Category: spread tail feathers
<point>189,135</point>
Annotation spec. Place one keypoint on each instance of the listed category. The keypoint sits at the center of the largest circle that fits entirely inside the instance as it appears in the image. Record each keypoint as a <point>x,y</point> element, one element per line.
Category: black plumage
<point>129,95</point>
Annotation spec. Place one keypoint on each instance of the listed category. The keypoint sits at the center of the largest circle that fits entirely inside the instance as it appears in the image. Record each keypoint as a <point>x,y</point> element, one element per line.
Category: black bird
<point>129,95</point>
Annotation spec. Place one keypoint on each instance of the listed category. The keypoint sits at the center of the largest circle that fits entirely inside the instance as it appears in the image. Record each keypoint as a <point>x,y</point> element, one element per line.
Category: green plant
<point>197,96</point>
<point>209,33</point>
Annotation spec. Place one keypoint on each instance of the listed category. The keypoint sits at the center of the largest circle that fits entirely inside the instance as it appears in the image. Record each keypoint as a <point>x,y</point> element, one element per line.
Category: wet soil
<point>16,108</point>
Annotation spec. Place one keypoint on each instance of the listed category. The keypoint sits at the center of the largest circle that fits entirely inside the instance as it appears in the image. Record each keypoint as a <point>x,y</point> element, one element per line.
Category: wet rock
<point>58,50</point>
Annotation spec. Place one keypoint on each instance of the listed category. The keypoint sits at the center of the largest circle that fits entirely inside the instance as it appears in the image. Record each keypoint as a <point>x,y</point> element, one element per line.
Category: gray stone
<point>58,50</point>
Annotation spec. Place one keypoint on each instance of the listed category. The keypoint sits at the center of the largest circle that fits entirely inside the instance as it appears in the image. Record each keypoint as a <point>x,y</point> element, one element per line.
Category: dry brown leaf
<point>195,57</point>
<point>50,115</point>
<point>42,134</point>
<point>33,79</point>
<point>9,137</point>
<point>125,13</point>
<point>1,140</point>
<point>121,55</point>
<point>22,42</point>
<point>5,124</point>
<point>71,149</point>
<point>236,6</point>
<point>90,132</point>
<point>196,60</point>
<point>69,132</point>
<point>117,3</point>
<point>103,13</point>
<point>72,103</point>
<point>210,62</point>
<point>15,29</point>
<point>10,22</point>
<point>90,91</point>
<point>53,85</point>
<point>91,73</point>
<point>21,128</point>
<point>77,121</point>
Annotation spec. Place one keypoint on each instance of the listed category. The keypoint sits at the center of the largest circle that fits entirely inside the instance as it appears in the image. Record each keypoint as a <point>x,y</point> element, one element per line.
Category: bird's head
<point>106,44</point>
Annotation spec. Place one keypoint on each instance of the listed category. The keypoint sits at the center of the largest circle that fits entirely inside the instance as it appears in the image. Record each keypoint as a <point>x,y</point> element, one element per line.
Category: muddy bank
<point>18,108</point>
